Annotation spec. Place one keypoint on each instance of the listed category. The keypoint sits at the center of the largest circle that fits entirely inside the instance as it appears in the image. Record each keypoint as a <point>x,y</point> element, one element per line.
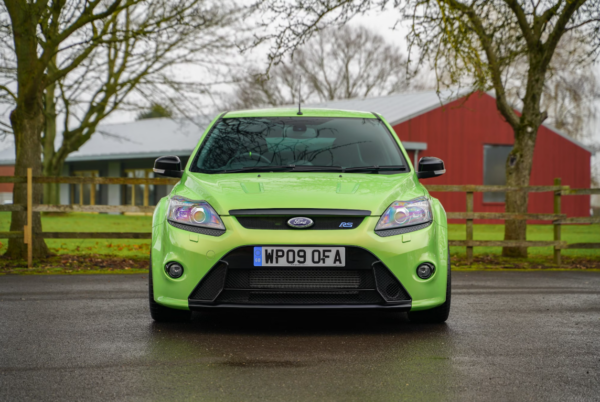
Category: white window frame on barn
<point>130,191</point>
<point>80,189</point>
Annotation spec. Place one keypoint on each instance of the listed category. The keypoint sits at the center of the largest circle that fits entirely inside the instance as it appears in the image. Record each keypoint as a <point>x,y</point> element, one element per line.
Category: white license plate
<point>299,256</point>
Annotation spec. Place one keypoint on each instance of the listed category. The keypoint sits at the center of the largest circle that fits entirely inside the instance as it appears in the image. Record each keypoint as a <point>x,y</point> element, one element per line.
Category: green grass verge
<point>80,222</point>
<point>569,233</point>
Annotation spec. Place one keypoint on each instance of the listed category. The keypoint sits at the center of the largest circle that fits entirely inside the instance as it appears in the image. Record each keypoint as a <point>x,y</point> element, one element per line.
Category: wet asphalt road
<point>511,336</point>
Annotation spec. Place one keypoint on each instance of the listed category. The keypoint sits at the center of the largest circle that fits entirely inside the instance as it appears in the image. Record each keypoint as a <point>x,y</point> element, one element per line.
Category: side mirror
<point>430,166</point>
<point>168,166</point>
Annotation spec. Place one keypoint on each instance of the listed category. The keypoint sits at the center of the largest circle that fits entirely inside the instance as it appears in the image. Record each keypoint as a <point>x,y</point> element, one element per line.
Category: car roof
<point>293,112</point>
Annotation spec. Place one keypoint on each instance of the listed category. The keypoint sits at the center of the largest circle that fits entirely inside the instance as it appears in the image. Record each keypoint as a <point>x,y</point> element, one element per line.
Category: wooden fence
<point>557,218</point>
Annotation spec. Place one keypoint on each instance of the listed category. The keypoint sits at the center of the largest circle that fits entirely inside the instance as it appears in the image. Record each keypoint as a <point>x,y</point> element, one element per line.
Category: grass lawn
<point>89,255</point>
<point>80,222</point>
<point>141,248</point>
<point>569,233</point>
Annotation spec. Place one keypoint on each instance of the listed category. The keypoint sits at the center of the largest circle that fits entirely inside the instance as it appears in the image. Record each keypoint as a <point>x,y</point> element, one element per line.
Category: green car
<point>318,209</point>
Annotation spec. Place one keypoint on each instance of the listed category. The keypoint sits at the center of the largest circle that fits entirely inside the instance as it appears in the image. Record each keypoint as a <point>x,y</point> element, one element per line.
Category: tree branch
<point>523,24</point>
<point>493,63</point>
<point>8,91</point>
<point>559,30</point>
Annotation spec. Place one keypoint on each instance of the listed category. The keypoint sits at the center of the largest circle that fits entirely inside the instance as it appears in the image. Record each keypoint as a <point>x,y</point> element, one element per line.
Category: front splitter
<point>399,306</point>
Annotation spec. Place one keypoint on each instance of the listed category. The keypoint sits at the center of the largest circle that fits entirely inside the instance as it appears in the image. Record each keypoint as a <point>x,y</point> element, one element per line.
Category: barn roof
<point>394,108</point>
<point>161,136</point>
<point>139,139</point>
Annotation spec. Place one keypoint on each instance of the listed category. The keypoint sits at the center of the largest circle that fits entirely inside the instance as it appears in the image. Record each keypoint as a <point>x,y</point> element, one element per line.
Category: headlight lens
<point>196,213</point>
<point>405,213</point>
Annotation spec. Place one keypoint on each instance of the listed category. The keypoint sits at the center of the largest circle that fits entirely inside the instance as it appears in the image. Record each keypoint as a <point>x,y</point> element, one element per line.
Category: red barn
<point>473,139</point>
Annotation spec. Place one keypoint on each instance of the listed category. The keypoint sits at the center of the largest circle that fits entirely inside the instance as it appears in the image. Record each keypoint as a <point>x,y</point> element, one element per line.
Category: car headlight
<point>405,213</point>
<point>195,213</point>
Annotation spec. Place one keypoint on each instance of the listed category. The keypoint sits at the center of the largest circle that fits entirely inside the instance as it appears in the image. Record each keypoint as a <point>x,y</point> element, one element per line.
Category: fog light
<point>424,271</point>
<point>174,270</point>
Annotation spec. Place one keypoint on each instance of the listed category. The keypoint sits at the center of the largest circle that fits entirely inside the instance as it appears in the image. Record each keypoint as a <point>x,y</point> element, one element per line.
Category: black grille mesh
<point>196,229</point>
<point>280,222</point>
<point>299,278</point>
<point>388,285</point>
<point>399,231</point>
<point>211,284</point>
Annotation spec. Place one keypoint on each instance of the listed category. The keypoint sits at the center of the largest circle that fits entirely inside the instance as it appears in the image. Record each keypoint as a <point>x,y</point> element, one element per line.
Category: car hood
<point>372,192</point>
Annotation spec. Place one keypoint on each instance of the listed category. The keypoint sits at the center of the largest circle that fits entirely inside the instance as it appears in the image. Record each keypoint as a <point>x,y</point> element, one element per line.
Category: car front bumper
<point>399,255</point>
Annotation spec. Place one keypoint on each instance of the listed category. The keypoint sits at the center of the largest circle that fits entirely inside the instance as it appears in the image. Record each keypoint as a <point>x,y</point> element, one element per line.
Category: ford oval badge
<point>300,222</point>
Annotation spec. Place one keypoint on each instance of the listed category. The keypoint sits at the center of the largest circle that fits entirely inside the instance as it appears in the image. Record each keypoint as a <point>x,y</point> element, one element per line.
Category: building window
<point>139,194</point>
<point>494,170</point>
<point>84,194</point>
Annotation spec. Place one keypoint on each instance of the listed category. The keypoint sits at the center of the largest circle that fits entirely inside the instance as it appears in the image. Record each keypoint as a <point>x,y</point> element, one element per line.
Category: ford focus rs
<point>319,210</point>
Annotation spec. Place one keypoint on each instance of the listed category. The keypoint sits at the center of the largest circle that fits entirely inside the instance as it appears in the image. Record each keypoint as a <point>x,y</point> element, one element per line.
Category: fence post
<point>557,225</point>
<point>146,194</point>
<point>29,227</point>
<point>469,227</point>
<point>93,192</point>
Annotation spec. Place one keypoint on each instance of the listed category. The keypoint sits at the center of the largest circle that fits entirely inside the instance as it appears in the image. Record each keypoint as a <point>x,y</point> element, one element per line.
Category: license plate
<point>299,256</point>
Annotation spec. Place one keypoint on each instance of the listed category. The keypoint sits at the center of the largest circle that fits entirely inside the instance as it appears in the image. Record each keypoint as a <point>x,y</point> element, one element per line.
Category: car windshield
<point>299,143</point>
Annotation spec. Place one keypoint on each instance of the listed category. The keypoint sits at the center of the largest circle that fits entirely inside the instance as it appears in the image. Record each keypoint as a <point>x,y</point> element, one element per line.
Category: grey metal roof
<point>394,108</point>
<point>140,139</point>
<point>414,146</point>
<point>7,154</point>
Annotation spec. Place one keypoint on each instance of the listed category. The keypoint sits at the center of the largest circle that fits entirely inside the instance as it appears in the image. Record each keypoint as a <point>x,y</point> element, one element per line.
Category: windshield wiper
<point>310,168</point>
<point>258,169</point>
<point>374,168</point>
<point>295,168</point>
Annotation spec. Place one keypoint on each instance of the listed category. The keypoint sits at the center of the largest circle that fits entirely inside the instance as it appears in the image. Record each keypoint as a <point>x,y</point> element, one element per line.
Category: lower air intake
<point>388,285</point>
<point>363,281</point>
<point>305,279</point>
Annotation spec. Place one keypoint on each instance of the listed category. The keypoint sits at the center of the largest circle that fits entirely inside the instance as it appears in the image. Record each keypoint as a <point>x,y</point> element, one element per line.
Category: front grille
<point>299,278</point>
<point>364,280</point>
<point>280,222</point>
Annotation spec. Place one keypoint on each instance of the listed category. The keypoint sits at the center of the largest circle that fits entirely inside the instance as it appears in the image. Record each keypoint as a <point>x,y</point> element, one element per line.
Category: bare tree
<point>474,44</point>
<point>571,91</point>
<point>340,63</point>
<point>86,58</point>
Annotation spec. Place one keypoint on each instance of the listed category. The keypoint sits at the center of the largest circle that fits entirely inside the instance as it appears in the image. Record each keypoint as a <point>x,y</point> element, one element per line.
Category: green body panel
<point>373,192</point>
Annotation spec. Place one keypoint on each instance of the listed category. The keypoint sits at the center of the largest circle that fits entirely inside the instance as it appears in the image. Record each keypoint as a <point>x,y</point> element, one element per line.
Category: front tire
<point>436,315</point>
<point>161,313</point>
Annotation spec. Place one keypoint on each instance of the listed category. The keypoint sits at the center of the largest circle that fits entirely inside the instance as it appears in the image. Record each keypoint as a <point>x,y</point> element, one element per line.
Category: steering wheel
<point>247,156</point>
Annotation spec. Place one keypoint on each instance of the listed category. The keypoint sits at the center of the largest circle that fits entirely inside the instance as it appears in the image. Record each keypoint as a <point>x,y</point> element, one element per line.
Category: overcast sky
<point>383,23</point>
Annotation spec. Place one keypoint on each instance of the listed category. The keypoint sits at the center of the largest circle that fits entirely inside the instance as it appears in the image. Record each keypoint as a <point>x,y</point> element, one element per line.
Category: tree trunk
<point>518,171</point>
<point>50,168</point>
<point>27,121</point>
<point>27,126</point>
